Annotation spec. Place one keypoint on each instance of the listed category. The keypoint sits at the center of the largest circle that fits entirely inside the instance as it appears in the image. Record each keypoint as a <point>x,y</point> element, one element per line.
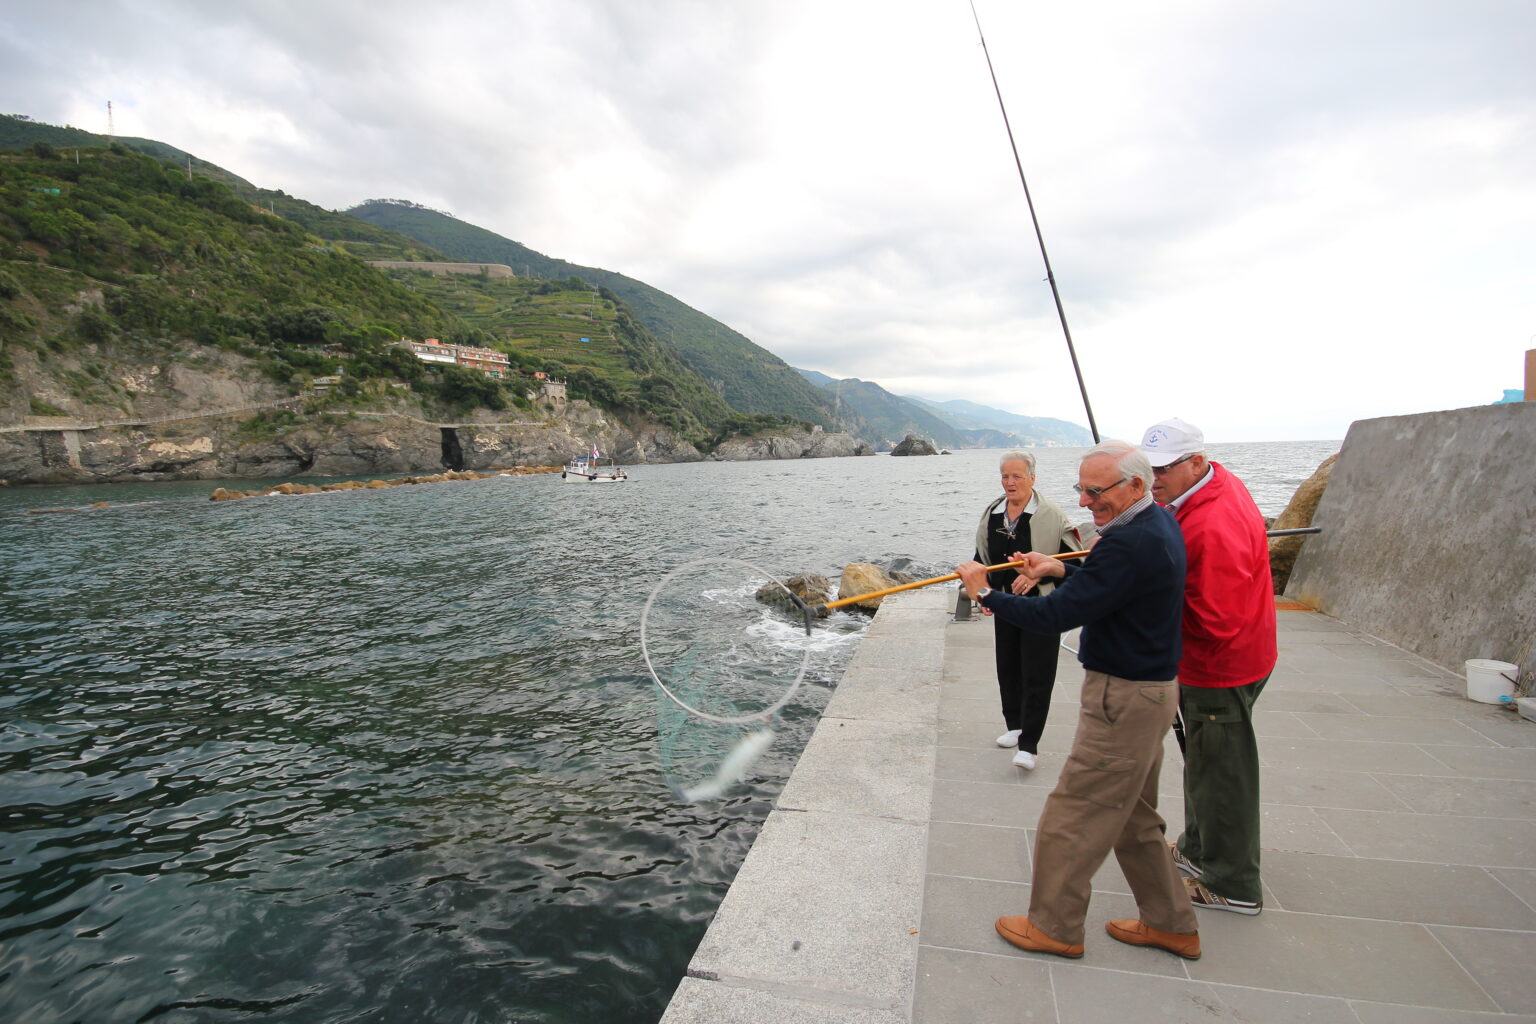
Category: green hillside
<point>17,132</point>
<point>117,251</point>
<point>356,236</point>
<point>133,246</point>
<point>750,378</point>
<point>180,256</point>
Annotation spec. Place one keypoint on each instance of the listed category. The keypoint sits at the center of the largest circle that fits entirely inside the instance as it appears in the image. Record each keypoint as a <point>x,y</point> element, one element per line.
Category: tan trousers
<point>1107,799</point>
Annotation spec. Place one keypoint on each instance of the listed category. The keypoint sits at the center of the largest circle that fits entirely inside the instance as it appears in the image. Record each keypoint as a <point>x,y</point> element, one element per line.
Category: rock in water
<point>814,590</point>
<point>789,444</point>
<point>1297,514</point>
<point>914,445</point>
<point>863,578</point>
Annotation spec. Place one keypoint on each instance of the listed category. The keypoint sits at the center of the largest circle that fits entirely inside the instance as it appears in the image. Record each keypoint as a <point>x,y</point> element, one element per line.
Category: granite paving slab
<point>1454,894</point>
<point>1456,795</point>
<point>1441,838</point>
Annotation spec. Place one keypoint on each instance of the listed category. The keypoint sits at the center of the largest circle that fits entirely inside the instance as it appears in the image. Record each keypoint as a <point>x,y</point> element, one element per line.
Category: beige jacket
<point>1048,531</point>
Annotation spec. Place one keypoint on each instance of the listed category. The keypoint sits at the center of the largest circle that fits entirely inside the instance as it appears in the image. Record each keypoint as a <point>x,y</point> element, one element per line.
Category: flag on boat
<point>594,452</point>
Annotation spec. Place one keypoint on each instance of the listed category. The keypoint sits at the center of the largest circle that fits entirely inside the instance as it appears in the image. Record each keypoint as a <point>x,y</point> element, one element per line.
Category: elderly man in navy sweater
<point>1128,596</point>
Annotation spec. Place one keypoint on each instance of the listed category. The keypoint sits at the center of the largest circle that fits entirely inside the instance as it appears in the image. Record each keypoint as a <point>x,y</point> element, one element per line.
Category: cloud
<point>1270,219</point>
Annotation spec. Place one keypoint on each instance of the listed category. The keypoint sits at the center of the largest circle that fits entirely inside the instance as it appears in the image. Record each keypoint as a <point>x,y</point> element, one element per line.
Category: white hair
<point>1129,459</point>
<point>1018,456</point>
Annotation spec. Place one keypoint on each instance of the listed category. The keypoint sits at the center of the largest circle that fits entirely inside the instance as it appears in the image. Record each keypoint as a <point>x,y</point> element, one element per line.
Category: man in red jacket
<point>1229,651</point>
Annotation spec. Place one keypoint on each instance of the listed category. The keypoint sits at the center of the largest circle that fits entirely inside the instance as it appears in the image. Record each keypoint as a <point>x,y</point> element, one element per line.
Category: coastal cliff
<point>262,445</point>
<point>97,416</point>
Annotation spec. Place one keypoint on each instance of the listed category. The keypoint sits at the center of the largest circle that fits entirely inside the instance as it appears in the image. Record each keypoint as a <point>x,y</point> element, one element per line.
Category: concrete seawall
<point>821,923</point>
<point>1429,534</point>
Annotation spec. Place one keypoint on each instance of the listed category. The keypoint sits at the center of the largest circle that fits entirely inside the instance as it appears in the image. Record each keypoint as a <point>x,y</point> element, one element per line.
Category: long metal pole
<point>1050,275</point>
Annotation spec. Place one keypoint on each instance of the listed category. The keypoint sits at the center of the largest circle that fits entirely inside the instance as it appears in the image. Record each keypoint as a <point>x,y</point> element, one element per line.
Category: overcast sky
<point>1269,218</point>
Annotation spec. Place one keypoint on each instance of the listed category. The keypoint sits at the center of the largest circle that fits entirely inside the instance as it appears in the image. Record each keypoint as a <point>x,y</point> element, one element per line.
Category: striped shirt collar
<point>1131,513</point>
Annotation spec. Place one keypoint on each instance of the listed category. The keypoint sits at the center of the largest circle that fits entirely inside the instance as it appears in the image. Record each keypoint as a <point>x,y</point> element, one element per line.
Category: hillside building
<point>432,351</point>
<point>551,390</point>
<point>487,360</point>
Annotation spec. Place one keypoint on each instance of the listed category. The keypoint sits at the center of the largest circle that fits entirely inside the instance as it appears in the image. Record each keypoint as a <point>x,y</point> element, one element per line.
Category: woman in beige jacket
<point>1023,520</point>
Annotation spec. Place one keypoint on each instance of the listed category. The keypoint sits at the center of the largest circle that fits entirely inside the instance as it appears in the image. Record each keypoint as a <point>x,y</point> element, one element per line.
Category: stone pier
<point>1399,830</point>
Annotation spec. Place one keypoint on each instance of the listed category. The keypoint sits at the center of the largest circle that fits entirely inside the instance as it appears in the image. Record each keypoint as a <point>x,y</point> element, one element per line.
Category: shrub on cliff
<point>266,425</point>
<point>460,388</point>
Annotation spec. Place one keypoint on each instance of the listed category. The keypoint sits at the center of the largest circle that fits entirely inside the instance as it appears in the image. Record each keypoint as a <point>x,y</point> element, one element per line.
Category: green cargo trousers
<point>1221,788</point>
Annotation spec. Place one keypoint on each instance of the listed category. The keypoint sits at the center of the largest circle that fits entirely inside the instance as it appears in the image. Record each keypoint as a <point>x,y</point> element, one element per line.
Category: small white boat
<point>594,469</point>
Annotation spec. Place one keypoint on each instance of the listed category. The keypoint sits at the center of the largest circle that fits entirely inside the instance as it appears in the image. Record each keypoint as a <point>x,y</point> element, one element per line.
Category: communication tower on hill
<point>111,132</point>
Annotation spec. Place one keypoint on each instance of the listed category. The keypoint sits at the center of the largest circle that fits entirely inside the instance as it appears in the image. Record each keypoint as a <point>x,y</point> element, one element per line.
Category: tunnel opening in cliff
<point>453,455</point>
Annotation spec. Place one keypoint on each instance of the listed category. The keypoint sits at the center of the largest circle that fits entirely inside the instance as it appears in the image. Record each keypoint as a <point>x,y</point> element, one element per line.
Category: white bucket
<point>1487,681</point>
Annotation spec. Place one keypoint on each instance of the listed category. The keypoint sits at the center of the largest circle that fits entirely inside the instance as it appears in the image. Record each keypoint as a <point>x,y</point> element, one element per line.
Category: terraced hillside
<point>747,376</point>
<point>586,335</point>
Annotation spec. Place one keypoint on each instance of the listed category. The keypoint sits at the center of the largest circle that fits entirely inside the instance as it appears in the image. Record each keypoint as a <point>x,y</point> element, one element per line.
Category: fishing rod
<point>1064,556</point>
<point>1050,275</point>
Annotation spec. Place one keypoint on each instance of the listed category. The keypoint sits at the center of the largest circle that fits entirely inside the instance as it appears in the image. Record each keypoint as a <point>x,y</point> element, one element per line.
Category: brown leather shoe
<point>1138,933</point>
<point>1019,932</point>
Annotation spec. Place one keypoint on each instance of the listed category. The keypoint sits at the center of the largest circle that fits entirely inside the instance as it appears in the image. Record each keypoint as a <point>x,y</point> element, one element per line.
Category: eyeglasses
<point>1160,470</point>
<point>1098,492</point>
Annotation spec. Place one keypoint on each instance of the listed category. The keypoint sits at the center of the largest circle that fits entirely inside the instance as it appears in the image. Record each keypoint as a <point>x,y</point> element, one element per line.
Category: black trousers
<point>1026,675</point>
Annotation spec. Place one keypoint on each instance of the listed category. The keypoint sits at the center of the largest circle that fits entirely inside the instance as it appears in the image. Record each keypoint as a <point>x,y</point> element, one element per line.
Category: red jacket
<point>1229,596</point>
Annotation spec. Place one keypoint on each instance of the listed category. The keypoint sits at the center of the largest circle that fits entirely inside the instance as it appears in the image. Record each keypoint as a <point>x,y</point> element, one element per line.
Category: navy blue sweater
<point>1128,595</point>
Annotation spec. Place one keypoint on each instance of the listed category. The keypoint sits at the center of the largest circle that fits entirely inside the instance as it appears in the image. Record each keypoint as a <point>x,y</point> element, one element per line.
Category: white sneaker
<point>1024,759</point>
<point>1009,738</point>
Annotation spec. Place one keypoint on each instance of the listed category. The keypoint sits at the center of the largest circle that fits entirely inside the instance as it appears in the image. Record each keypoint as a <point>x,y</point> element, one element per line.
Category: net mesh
<point>722,664</point>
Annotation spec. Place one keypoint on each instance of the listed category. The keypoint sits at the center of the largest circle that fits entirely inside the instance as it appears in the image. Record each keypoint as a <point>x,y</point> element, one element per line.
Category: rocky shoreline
<point>212,415</point>
<point>362,443</point>
<point>225,494</point>
<point>813,444</point>
<point>326,444</point>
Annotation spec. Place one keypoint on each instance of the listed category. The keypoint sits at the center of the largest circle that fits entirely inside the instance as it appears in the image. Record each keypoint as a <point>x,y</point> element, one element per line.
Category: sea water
<point>391,755</point>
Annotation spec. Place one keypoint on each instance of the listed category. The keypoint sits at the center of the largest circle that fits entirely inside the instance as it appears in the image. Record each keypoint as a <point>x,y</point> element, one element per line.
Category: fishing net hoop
<point>764,715</point>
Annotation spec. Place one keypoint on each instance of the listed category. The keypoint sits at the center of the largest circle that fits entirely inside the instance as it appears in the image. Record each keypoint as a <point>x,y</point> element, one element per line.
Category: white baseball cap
<point>1170,440</point>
